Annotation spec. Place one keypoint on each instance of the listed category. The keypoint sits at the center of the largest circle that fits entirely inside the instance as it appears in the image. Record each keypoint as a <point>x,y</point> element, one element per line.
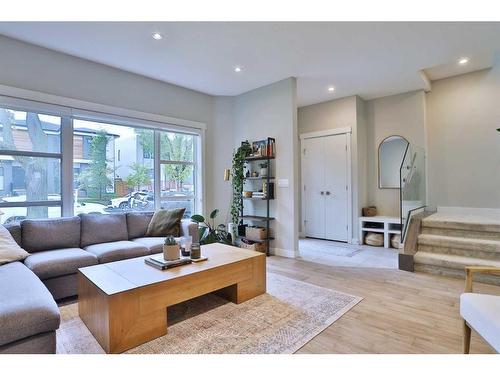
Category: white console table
<point>382,224</point>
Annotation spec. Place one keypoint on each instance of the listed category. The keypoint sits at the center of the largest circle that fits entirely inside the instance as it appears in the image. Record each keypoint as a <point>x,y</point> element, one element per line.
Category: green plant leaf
<point>214,213</point>
<point>198,218</point>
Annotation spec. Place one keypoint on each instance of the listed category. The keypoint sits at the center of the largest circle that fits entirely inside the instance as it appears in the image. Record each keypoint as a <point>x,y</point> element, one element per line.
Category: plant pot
<point>242,229</point>
<point>263,172</point>
<point>171,252</point>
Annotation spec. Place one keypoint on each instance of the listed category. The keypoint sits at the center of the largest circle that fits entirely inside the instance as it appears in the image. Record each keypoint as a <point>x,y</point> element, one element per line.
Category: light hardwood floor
<point>402,312</point>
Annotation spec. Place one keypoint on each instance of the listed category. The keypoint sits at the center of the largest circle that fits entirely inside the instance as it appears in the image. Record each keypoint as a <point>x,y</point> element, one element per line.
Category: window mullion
<point>157,170</point>
<point>67,195</point>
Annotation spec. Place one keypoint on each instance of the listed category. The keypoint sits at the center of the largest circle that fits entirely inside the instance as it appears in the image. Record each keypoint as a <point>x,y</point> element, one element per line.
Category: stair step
<point>466,223</point>
<point>461,233</point>
<point>468,244</point>
<point>451,261</point>
<point>455,273</point>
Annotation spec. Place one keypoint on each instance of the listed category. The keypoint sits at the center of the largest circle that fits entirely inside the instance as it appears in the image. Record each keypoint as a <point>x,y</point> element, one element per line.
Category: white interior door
<point>336,187</point>
<point>313,180</point>
<point>324,184</point>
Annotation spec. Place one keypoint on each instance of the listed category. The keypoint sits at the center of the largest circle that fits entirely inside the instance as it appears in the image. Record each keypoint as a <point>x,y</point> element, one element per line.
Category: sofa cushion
<point>165,223</point>
<point>26,306</point>
<point>482,313</point>
<point>59,262</point>
<point>10,251</point>
<point>153,244</point>
<point>112,251</point>
<point>100,228</point>
<point>137,223</point>
<point>48,234</point>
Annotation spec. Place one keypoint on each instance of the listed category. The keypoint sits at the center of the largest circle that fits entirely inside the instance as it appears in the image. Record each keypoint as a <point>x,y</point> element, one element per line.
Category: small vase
<point>263,172</point>
<point>231,229</point>
<point>171,252</point>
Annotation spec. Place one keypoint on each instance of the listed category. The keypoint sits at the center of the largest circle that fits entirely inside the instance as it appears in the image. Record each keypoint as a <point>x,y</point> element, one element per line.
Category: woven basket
<point>369,211</point>
<point>374,239</point>
<point>395,240</point>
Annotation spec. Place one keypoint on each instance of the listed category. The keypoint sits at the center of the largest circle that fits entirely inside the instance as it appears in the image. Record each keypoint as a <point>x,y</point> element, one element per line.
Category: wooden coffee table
<point>124,304</point>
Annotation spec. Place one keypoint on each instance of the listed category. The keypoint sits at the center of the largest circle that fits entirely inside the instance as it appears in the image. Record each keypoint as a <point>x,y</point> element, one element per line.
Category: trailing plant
<point>210,232</point>
<point>170,240</point>
<point>239,161</point>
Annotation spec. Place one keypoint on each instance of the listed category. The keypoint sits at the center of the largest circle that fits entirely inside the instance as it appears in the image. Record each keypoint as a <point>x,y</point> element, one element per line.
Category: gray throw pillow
<point>165,223</point>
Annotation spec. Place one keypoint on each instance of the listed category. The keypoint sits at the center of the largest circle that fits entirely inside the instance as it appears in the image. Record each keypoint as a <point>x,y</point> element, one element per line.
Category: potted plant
<point>238,166</point>
<point>263,169</point>
<point>171,249</point>
<point>209,232</point>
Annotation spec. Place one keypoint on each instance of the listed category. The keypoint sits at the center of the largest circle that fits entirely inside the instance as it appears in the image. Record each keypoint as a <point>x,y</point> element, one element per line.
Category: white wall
<point>361,199</point>
<point>463,113</point>
<point>270,111</point>
<point>219,157</point>
<point>333,114</point>
<point>35,68</point>
<point>404,115</point>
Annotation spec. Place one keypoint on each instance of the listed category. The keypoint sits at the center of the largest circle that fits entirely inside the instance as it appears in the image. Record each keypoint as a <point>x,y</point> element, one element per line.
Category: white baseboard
<point>282,252</point>
<point>476,211</point>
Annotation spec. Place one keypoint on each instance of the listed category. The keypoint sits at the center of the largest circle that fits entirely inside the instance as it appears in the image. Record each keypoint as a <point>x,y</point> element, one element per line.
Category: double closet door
<point>325,187</point>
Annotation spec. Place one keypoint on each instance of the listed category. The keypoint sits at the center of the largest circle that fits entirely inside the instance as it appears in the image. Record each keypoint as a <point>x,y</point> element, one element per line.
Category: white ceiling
<point>369,59</point>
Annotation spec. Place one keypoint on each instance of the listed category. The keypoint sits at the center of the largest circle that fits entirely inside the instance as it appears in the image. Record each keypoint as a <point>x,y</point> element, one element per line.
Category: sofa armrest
<point>190,228</point>
<point>471,270</point>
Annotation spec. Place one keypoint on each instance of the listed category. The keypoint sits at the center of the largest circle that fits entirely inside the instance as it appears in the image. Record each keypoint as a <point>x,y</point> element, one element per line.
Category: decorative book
<point>157,261</point>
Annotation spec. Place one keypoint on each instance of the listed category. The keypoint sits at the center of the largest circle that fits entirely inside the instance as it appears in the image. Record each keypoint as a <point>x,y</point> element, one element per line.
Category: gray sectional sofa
<point>29,315</point>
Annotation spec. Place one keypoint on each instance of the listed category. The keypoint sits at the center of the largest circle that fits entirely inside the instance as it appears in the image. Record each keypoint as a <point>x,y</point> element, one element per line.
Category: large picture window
<point>30,161</point>
<point>59,161</point>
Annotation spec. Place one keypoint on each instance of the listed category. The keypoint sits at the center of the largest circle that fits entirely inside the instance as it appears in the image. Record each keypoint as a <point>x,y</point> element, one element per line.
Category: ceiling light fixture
<point>157,36</point>
<point>463,60</point>
<point>237,69</point>
<point>331,89</point>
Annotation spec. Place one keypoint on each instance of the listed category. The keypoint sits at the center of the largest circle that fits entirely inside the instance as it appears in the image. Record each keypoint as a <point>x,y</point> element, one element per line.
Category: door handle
<point>327,193</point>
<point>322,193</point>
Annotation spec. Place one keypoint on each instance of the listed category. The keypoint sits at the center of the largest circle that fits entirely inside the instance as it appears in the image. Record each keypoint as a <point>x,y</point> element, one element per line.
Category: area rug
<point>283,320</point>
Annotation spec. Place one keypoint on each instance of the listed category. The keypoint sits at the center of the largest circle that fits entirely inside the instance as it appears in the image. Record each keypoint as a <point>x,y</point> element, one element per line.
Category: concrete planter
<point>171,252</point>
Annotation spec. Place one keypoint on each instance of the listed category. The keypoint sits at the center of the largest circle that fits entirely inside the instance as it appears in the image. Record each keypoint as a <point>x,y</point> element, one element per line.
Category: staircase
<point>449,243</point>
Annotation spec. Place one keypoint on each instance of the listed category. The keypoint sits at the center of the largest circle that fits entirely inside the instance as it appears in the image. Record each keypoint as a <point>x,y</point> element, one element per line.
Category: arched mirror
<point>390,155</point>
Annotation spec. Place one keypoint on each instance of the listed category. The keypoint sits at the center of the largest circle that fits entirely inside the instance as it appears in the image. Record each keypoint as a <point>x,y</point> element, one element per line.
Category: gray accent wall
<point>404,115</point>
<point>36,68</point>
<point>463,113</point>
<point>271,111</point>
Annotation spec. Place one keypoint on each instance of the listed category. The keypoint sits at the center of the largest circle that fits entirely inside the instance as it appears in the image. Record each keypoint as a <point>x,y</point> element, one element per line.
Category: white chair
<point>480,312</point>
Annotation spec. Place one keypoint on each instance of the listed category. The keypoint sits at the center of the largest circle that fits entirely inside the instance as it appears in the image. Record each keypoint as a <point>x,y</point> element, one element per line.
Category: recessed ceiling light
<point>237,69</point>
<point>331,89</point>
<point>157,36</point>
<point>463,60</point>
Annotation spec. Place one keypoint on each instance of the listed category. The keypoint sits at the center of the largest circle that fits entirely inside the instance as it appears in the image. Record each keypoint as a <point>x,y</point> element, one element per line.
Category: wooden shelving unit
<point>267,198</point>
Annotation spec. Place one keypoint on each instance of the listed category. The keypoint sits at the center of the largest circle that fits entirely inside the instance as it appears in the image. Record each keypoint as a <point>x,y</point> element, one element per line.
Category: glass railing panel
<point>412,183</point>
